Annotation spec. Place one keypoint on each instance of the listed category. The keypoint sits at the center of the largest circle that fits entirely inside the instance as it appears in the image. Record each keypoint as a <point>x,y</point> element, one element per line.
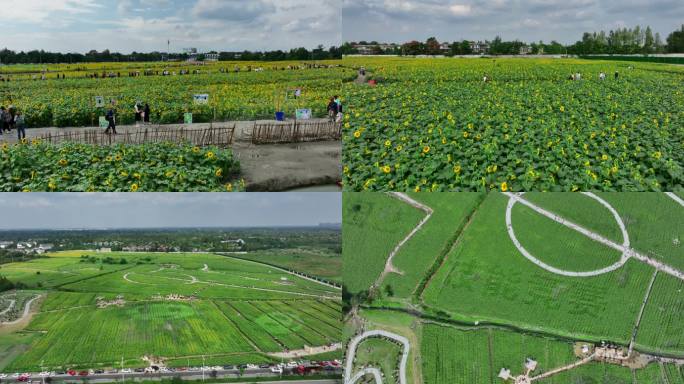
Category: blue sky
<point>146,25</point>
<point>528,20</point>
<point>144,210</point>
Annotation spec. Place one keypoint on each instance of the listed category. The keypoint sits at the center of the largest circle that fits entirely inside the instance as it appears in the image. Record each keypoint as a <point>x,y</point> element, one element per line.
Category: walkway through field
<point>27,309</point>
<point>627,252</point>
<point>389,267</point>
<point>351,352</point>
<point>9,307</point>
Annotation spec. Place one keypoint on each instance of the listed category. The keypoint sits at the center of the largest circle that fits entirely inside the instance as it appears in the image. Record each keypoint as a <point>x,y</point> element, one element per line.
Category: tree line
<point>43,57</point>
<point>623,41</point>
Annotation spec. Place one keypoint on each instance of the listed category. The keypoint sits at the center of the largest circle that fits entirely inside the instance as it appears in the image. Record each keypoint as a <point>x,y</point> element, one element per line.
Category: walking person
<point>20,123</point>
<point>332,109</point>
<point>111,118</point>
<point>138,113</point>
<point>2,120</point>
<point>9,118</point>
<point>340,114</point>
<point>617,75</point>
<point>146,114</point>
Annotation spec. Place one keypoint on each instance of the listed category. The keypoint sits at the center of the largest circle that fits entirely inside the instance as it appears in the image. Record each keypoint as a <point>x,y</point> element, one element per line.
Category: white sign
<point>303,114</point>
<point>201,99</point>
<point>99,101</point>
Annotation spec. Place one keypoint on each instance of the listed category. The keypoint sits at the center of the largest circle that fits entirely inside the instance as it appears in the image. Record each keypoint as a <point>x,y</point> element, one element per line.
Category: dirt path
<point>306,351</point>
<point>562,369</point>
<point>641,312</point>
<point>389,266</point>
<point>26,315</point>
<point>9,308</point>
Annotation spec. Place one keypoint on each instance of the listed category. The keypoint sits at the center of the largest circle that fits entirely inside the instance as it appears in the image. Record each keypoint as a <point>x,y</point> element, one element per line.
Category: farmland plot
<point>433,124</point>
<point>373,224</point>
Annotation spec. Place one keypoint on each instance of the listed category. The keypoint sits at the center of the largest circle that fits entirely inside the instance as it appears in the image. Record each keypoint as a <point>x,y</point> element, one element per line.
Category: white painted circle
<point>625,243</point>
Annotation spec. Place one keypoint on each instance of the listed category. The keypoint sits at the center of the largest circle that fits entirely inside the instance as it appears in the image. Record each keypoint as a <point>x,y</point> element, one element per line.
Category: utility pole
<point>203,366</point>
<point>123,375</point>
<point>42,369</point>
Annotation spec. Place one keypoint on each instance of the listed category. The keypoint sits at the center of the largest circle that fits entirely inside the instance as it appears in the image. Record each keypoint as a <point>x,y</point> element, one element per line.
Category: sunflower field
<point>435,125</point>
<point>244,95</point>
<point>71,167</point>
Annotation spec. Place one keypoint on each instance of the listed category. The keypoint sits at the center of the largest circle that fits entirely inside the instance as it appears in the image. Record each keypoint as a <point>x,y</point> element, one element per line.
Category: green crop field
<point>424,250</point>
<point>433,124</point>
<point>100,308</point>
<point>316,262</point>
<point>372,226</point>
<point>485,306</point>
<point>232,96</point>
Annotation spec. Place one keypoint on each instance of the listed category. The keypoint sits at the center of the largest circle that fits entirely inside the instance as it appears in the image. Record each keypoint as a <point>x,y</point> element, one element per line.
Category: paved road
<point>196,375</point>
<point>353,344</point>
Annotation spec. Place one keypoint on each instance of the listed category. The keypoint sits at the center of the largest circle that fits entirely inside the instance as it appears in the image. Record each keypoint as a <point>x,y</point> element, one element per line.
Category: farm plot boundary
<point>220,136</point>
<point>295,132</point>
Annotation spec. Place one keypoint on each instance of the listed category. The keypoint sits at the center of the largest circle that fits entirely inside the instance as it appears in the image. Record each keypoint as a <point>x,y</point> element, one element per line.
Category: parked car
<point>228,367</point>
<point>276,369</point>
<point>99,371</point>
<point>264,366</point>
<point>2,375</point>
<point>126,370</point>
<point>83,373</point>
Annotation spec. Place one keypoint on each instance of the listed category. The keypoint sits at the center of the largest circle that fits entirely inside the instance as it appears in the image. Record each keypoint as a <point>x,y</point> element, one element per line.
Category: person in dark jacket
<point>20,123</point>
<point>2,120</point>
<point>147,112</point>
<point>111,118</point>
<point>332,109</point>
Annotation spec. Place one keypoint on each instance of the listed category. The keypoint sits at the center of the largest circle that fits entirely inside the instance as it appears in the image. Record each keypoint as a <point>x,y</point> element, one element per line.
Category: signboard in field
<point>201,99</point>
<point>187,118</point>
<point>303,114</point>
<point>103,122</point>
<point>99,102</point>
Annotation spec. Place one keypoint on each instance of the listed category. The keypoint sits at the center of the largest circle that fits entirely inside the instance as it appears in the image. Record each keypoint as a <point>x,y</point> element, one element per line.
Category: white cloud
<point>37,11</point>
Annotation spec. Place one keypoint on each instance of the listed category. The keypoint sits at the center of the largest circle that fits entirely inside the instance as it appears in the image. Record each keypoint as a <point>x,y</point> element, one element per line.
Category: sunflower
<point>219,172</point>
<point>134,188</point>
<point>118,157</point>
<point>457,169</point>
<point>504,187</point>
<point>388,143</point>
<point>63,162</point>
<point>210,155</point>
<point>387,169</point>
<point>426,149</point>
<point>229,187</point>
<point>195,149</point>
<point>52,186</point>
<point>357,134</point>
<point>137,175</point>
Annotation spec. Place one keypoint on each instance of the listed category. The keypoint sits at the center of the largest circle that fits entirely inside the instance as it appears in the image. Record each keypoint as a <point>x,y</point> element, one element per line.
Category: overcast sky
<point>528,20</point>
<point>145,210</point>
<point>145,25</point>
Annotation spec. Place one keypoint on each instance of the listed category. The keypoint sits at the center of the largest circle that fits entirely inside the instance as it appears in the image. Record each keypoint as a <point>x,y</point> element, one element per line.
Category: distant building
<point>505,374</point>
<point>104,250</point>
<point>479,47</point>
<point>525,50</point>
<point>445,46</point>
<point>371,49</point>
<point>45,247</point>
<point>5,244</point>
<point>211,57</point>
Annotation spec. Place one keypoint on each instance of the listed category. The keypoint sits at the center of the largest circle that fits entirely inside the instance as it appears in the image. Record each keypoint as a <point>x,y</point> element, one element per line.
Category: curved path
<point>27,309</point>
<point>627,252</point>
<point>9,307</point>
<point>389,266</point>
<point>354,343</point>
